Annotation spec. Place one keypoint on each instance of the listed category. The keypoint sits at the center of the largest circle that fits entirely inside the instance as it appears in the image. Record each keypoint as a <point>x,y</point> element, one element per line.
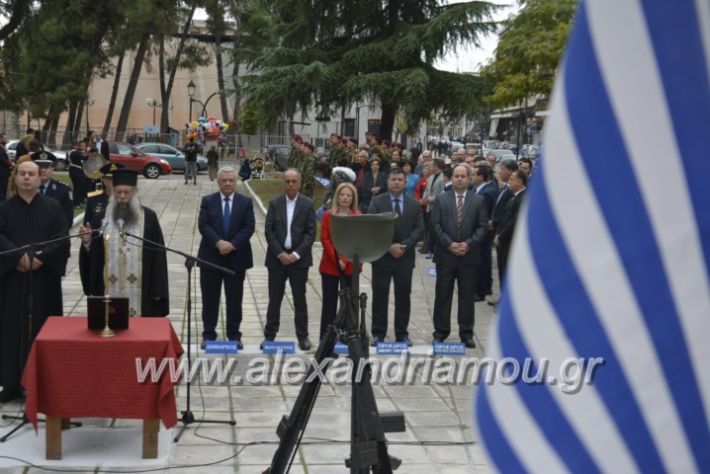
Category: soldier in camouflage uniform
<point>350,150</point>
<point>307,168</point>
<point>337,155</point>
<point>296,155</point>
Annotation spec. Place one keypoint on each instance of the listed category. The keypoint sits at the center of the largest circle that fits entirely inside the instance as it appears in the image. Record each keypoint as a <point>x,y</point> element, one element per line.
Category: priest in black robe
<point>119,264</point>
<point>28,217</point>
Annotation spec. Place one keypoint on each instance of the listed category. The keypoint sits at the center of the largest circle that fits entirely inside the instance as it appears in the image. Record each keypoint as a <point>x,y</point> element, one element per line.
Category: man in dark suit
<point>102,147</point>
<point>398,263</point>
<point>226,223</point>
<point>5,167</point>
<point>290,233</point>
<point>506,168</point>
<point>505,231</point>
<point>487,188</point>
<point>458,221</point>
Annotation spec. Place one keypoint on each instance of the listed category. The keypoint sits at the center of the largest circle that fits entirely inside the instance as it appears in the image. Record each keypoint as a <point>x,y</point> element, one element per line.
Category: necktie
<point>459,214</point>
<point>44,189</point>
<point>226,216</point>
<point>360,178</point>
<point>397,209</point>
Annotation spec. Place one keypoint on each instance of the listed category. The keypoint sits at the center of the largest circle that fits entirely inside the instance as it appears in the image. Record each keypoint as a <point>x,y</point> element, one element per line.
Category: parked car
<point>500,154</point>
<point>60,163</point>
<point>172,155</point>
<point>134,159</point>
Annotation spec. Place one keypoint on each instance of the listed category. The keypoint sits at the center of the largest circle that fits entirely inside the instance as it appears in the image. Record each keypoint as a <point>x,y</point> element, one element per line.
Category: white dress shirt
<point>290,209</point>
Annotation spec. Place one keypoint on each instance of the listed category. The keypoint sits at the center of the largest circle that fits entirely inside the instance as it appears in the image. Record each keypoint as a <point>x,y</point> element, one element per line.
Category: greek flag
<point>611,255</point>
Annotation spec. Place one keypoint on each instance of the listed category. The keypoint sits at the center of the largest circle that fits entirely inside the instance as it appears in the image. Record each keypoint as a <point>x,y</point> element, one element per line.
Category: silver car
<point>172,155</point>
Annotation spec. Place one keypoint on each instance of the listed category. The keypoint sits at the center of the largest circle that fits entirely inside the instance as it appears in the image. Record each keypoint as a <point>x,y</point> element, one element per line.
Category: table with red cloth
<point>72,372</point>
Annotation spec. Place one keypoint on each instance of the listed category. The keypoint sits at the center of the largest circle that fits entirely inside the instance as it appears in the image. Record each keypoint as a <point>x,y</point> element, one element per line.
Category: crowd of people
<point>457,208</point>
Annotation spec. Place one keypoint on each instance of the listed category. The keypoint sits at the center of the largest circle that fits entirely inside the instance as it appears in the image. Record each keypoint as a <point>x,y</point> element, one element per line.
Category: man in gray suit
<point>290,232</point>
<point>458,220</point>
<point>434,187</point>
<point>398,263</point>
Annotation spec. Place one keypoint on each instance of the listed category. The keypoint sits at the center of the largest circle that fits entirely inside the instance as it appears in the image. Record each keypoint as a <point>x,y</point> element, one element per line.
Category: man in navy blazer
<point>459,236</point>
<point>226,223</point>
<point>290,232</point>
<point>397,264</point>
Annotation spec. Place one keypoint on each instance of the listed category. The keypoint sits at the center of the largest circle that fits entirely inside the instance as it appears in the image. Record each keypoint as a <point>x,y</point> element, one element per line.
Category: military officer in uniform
<point>97,201</point>
<point>51,187</point>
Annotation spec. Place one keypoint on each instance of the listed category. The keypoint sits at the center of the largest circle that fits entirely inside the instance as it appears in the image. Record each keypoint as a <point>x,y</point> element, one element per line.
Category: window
<point>124,150</point>
<point>151,149</point>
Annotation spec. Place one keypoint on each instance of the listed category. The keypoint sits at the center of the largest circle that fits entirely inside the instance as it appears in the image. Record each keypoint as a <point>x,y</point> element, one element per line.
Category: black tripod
<point>26,343</point>
<point>187,417</point>
<point>368,445</point>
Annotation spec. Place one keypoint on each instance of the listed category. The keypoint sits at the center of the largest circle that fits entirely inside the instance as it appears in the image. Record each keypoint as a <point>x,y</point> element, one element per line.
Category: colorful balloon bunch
<point>206,128</point>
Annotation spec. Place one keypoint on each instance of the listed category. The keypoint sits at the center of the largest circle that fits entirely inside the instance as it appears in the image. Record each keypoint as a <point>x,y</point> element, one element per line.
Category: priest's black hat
<point>125,177</point>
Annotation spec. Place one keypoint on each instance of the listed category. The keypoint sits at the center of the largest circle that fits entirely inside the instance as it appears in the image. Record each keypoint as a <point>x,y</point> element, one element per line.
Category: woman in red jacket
<point>344,203</point>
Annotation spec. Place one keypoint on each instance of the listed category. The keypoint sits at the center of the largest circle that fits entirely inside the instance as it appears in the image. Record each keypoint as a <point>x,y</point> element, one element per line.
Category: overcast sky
<point>469,58</point>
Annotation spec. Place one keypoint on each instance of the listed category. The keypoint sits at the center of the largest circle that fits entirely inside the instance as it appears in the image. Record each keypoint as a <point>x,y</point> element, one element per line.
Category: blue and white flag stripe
<point>612,252</point>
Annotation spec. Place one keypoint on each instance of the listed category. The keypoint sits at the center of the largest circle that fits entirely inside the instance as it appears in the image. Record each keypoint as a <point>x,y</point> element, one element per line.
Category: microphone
<point>119,223</point>
<point>104,224</point>
<point>100,231</point>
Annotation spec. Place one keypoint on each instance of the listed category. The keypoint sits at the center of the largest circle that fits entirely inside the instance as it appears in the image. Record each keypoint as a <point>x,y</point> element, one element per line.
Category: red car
<point>134,159</point>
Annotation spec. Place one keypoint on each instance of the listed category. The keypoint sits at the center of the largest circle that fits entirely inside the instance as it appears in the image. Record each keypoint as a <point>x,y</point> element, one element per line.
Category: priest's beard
<point>129,212</point>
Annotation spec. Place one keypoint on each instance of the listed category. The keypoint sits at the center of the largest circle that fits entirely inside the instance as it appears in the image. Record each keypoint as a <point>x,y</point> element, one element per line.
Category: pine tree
<point>331,54</point>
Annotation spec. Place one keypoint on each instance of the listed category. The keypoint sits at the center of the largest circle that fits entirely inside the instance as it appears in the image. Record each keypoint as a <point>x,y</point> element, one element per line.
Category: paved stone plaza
<point>438,438</point>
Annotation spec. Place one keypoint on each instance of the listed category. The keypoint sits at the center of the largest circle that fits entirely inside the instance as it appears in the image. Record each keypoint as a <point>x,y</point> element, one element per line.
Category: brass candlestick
<point>107,331</point>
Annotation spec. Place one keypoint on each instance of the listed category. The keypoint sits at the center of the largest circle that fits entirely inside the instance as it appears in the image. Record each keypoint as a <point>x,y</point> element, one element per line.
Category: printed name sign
<point>449,348</point>
<point>390,348</point>
<point>221,347</point>
<point>276,347</point>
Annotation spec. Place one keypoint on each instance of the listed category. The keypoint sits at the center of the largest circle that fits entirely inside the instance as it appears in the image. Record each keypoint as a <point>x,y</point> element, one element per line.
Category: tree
<point>331,54</point>
<point>529,51</point>
<point>15,11</point>
<point>217,26</point>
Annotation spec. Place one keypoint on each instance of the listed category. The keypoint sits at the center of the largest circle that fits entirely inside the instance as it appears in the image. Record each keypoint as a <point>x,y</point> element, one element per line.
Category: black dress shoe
<point>240,346</point>
<point>468,342</point>
<point>10,395</point>
<point>203,344</point>
<point>266,339</point>
<point>375,340</point>
<point>478,298</point>
<point>405,339</point>
<point>304,343</point>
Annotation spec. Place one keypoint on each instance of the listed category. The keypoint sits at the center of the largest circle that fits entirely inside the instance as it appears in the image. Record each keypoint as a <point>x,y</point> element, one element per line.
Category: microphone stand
<point>31,250</point>
<point>187,417</point>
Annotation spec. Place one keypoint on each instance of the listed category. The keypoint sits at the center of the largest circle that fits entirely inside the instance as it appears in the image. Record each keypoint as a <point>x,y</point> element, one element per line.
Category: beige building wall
<point>148,87</point>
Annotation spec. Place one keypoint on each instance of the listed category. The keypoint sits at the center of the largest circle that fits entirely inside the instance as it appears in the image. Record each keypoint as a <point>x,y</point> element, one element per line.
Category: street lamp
<point>191,93</point>
<point>89,103</point>
<point>152,103</point>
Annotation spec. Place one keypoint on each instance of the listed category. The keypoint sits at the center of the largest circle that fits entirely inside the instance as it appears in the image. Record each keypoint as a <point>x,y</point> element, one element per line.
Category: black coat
<point>303,230</point>
<point>445,228</point>
<point>408,228</point>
